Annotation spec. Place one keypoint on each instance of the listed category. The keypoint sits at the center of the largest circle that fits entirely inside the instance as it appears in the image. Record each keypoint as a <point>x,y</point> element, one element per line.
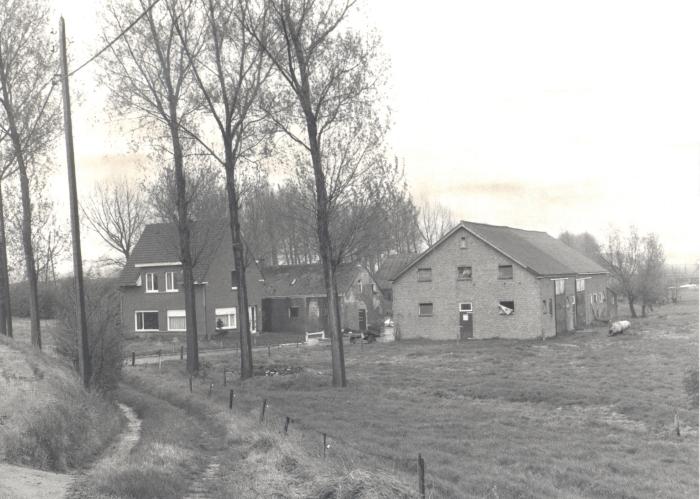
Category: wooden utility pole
<point>81,323</point>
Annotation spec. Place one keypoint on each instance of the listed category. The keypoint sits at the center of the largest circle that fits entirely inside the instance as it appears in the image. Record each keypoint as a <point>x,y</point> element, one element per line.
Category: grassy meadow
<point>581,415</point>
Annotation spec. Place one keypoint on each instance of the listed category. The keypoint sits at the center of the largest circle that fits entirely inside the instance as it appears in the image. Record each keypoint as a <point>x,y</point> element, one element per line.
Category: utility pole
<point>83,352</point>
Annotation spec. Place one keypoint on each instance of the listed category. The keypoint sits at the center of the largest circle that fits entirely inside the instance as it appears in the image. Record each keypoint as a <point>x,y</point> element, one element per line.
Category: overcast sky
<point>546,115</point>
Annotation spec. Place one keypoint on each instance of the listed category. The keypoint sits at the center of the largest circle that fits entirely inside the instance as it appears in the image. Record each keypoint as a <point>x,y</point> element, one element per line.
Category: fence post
<point>268,351</point>
<point>262,411</point>
<point>133,359</point>
<point>286,425</point>
<point>160,361</point>
<point>224,376</point>
<point>211,387</point>
<point>421,477</point>
<point>230,400</point>
<point>190,384</point>
<point>324,445</point>
<point>676,424</point>
<point>182,352</point>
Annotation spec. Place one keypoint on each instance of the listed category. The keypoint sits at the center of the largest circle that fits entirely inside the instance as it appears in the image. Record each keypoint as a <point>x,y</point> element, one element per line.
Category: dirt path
<point>18,482</point>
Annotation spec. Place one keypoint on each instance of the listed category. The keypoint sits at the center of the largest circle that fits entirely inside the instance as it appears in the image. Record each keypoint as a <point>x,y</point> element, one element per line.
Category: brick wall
<point>216,293</point>
<point>484,291</point>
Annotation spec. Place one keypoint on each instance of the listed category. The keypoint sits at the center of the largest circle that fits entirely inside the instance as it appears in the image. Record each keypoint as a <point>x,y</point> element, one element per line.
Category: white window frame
<point>151,279</point>
<point>175,313</point>
<point>136,320</point>
<point>580,283</point>
<point>170,287</point>
<point>228,312</point>
<point>463,242</point>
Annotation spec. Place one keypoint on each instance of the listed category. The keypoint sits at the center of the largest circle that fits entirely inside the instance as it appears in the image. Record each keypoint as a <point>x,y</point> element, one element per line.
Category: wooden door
<point>466,321</point>
<point>362,315</point>
<point>580,309</point>
<point>560,313</point>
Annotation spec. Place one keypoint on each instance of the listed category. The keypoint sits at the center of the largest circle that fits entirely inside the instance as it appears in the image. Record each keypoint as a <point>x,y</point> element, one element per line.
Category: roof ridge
<point>503,227</point>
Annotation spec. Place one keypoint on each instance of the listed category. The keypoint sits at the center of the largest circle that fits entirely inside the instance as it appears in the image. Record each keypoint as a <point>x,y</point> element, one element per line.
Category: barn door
<point>466,321</point>
<point>362,319</point>
<point>580,309</point>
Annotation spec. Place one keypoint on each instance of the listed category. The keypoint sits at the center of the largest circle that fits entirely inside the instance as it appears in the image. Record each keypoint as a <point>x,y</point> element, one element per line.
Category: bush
<point>48,298</point>
<point>690,383</point>
<point>104,331</point>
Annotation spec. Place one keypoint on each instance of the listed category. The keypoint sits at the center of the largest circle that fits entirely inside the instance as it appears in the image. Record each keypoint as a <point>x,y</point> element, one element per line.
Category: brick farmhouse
<point>281,298</point>
<point>151,281</point>
<point>485,281</point>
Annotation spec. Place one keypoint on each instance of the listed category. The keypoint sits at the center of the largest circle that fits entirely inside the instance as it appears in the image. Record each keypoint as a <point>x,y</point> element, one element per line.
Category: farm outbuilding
<point>295,298</point>
<point>486,281</point>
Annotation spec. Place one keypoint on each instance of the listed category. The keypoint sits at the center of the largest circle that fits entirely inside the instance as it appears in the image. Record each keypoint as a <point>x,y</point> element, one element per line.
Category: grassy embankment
<point>578,416</point>
<point>47,420</point>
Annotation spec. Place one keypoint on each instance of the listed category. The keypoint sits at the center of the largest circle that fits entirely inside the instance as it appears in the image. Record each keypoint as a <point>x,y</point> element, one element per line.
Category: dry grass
<point>170,343</point>
<point>578,416</point>
<point>47,420</point>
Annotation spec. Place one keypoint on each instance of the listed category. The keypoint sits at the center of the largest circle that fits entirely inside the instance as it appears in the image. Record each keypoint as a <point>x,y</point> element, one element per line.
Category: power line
<point>123,32</point>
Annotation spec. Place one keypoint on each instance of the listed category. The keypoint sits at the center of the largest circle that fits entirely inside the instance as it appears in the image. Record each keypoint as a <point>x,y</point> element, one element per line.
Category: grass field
<point>582,415</point>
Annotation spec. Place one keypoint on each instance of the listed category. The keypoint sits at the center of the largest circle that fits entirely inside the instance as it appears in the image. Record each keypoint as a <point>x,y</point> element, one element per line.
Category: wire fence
<point>319,442</point>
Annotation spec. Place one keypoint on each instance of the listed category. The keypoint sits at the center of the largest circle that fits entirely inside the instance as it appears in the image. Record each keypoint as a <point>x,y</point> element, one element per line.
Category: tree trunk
<point>644,310</point>
<point>183,229</point>
<point>5,308</point>
<point>326,253</point>
<point>630,300</point>
<point>26,222</point>
<point>239,264</point>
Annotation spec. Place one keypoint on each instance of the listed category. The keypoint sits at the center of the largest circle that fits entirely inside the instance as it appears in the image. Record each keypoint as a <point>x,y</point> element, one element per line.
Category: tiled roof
<point>305,280</point>
<point>537,251</point>
<point>159,243</point>
<point>392,265</point>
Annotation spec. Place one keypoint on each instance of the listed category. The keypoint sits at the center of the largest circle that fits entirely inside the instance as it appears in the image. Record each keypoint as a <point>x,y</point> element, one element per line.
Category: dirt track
<point>18,482</point>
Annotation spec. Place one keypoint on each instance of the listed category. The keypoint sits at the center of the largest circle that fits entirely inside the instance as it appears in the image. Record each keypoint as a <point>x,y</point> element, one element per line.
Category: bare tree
<point>434,221</point>
<point>651,272</point>
<point>623,257</point>
<point>30,114</point>
<point>230,71</point>
<point>6,169</point>
<point>330,83</point>
<point>117,213</point>
<point>149,74</point>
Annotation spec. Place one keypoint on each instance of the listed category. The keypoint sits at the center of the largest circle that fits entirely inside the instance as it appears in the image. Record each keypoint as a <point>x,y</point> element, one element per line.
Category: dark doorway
<point>362,313</point>
<point>466,321</point>
<point>580,309</point>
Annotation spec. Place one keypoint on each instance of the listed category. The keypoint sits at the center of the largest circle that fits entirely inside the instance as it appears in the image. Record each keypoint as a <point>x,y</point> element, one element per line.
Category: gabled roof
<point>390,266</point>
<point>536,251</point>
<point>159,243</point>
<point>305,280</point>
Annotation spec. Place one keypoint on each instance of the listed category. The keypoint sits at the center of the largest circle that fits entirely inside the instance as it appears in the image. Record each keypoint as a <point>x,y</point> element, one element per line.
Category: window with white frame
<point>151,283</point>
<point>227,316</point>
<point>463,242</point>
<point>146,320</point>
<point>559,286</point>
<point>177,320</point>
<point>580,285</point>
<point>170,282</point>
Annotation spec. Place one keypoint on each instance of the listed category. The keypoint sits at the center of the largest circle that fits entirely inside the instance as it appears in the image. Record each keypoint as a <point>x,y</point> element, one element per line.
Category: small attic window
<point>463,242</point>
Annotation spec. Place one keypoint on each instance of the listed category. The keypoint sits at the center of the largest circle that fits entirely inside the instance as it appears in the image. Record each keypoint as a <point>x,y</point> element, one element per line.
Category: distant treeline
<point>49,295</point>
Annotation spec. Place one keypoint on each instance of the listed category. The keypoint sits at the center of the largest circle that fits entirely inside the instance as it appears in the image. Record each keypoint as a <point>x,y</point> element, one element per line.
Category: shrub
<point>690,383</point>
<point>104,333</point>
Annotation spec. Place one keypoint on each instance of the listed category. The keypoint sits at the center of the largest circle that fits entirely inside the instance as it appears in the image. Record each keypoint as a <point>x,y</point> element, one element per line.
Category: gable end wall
<point>484,291</point>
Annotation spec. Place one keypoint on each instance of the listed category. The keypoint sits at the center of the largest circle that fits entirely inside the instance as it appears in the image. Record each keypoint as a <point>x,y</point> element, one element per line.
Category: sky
<point>547,115</point>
